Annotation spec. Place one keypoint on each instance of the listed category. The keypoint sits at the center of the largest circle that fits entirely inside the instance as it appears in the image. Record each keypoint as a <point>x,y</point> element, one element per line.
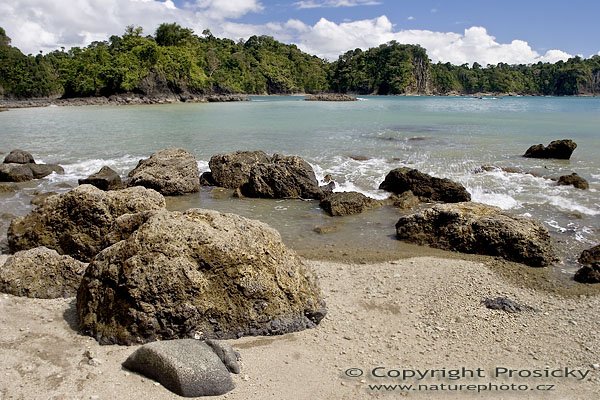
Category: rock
<point>285,177</point>
<point>43,170</point>
<point>325,229</point>
<point>39,198</point>
<point>41,273</point>
<point>187,367</point>
<point>206,179</point>
<point>226,353</point>
<point>479,229</point>
<point>233,170</point>
<point>505,304</point>
<point>169,172</point>
<point>8,187</point>
<point>18,157</point>
<point>492,168</point>
<point>404,201</point>
<point>573,180</point>
<point>590,256</point>
<point>328,188</point>
<point>330,97</point>
<point>561,149</point>
<point>15,173</point>
<point>105,179</point>
<point>82,221</point>
<point>198,271</point>
<point>424,186</point>
<point>588,273</point>
<point>347,203</point>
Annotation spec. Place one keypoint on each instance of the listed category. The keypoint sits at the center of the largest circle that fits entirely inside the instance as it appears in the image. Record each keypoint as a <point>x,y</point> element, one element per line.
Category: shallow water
<point>443,136</point>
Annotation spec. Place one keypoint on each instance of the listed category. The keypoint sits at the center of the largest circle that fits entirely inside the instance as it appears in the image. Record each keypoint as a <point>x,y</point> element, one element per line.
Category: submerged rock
<point>426,187</point>
<point>19,157</point>
<point>169,172</point>
<point>222,275</point>
<point>41,273</point>
<point>347,203</point>
<point>479,229</point>
<point>188,367</point>
<point>330,97</point>
<point>83,221</point>
<point>105,179</point>
<point>404,200</point>
<point>573,180</point>
<point>560,149</point>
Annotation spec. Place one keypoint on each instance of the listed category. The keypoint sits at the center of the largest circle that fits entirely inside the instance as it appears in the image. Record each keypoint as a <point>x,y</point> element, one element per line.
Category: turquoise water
<point>443,136</point>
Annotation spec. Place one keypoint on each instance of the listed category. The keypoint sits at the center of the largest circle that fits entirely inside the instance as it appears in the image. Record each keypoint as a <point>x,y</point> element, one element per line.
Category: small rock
<point>503,303</point>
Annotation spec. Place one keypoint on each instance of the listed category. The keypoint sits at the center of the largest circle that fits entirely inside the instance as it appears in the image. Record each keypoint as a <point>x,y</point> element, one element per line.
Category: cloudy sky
<point>458,31</point>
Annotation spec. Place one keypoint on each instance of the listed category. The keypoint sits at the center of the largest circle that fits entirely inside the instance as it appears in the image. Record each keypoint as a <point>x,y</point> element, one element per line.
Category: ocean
<point>357,143</point>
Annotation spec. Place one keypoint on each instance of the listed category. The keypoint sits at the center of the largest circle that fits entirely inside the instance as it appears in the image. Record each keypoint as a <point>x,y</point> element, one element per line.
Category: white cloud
<point>411,18</point>
<point>45,25</point>
<point>328,39</point>
<point>335,3</point>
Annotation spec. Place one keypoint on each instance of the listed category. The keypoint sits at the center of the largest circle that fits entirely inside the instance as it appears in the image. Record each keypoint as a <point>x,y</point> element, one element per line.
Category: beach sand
<point>418,313</point>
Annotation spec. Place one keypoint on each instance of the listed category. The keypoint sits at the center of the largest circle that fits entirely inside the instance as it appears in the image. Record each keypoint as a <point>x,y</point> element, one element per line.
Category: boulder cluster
<point>20,166</point>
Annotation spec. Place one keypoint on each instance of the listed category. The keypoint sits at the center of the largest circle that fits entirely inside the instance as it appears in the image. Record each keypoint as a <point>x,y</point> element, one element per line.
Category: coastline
<point>416,313</point>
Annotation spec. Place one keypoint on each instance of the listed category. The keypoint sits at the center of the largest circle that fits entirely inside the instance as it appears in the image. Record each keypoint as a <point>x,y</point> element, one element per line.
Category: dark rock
<point>81,222</point>
<point>479,229</point>
<point>169,172</point>
<point>588,273</point>
<point>573,180</point>
<point>198,271</point>
<point>226,353</point>
<point>206,179</point>
<point>424,186</point>
<point>284,177</point>
<point>328,188</point>
<point>41,273</point>
<point>347,203</point>
<point>357,157</point>
<point>325,229</point>
<point>19,157</point>
<point>491,168</point>
<point>15,173</point>
<point>330,97</point>
<point>105,179</point>
<point>232,170</point>
<point>187,367</point>
<point>43,170</point>
<point>505,304</point>
<point>561,149</point>
<point>590,256</point>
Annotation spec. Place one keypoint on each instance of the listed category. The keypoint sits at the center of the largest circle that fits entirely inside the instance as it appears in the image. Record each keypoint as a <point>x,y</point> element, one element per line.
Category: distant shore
<point>137,99</point>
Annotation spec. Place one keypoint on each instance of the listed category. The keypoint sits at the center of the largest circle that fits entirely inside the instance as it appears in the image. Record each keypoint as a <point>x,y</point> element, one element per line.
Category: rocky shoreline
<point>121,99</point>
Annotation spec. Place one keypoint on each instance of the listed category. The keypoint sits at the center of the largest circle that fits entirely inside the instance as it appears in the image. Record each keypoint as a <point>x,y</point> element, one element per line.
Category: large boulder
<point>105,179</point>
<point>15,173</point>
<point>27,172</point>
<point>479,229</point>
<point>187,367</point>
<point>283,177</point>
<point>573,180</point>
<point>426,187</point>
<point>232,170</point>
<point>590,256</point>
<point>41,273</point>
<point>84,220</point>
<point>19,157</point>
<point>347,203</point>
<point>561,149</point>
<point>200,273</point>
<point>169,172</point>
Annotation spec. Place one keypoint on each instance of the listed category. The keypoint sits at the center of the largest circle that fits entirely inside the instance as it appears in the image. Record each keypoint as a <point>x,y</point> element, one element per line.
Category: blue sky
<point>456,31</point>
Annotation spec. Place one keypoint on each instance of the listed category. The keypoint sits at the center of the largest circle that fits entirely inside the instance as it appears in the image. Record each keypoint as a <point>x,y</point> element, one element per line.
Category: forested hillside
<point>177,61</point>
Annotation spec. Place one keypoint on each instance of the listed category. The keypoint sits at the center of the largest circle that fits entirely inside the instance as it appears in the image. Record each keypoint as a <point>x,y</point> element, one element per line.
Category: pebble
<point>596,366</point>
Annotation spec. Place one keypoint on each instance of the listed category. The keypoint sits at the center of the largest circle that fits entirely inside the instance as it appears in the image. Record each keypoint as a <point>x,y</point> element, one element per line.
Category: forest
<point>175,60</point>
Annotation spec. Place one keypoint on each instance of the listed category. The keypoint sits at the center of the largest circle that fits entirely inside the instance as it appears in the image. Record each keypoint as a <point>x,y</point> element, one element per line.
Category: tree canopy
<point>176,60</point>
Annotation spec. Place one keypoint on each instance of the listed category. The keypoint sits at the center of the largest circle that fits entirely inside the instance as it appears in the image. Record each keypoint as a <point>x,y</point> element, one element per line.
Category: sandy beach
<point>385,321</point>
